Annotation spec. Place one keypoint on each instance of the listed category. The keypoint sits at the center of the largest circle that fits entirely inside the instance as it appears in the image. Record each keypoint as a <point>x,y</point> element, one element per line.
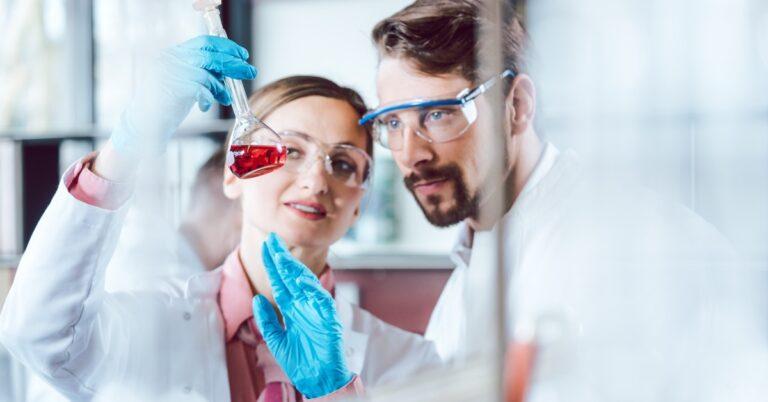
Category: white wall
<point>672,94</point>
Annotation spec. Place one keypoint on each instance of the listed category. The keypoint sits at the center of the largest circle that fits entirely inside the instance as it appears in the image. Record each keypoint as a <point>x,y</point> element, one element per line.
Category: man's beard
<point>466,206</point>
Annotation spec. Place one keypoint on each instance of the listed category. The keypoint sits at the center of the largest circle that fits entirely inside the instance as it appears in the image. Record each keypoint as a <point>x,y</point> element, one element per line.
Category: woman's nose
<point>315,177</point>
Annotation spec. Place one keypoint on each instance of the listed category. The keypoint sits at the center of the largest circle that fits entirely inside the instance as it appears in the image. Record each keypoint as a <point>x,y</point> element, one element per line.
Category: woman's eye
<point>293,153</point>
<point>343,166</point>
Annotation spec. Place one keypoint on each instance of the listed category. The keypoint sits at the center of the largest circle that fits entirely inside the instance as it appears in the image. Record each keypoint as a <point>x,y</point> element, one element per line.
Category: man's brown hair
<point>441,37</point>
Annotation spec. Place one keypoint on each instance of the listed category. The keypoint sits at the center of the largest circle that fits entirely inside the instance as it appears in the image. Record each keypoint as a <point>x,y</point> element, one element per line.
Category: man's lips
<point>429,187</point>
<point>309,210</point>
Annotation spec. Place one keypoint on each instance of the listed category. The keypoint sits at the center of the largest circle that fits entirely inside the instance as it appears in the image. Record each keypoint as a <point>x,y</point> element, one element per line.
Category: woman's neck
<point>251,259</point>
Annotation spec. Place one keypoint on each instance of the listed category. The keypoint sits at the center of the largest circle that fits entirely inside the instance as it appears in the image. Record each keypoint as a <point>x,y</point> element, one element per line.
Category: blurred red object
<point>518,370</point>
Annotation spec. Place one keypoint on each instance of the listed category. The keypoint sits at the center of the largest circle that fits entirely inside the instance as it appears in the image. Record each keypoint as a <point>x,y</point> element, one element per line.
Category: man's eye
<point>393,124</point>
<point>436,115</point>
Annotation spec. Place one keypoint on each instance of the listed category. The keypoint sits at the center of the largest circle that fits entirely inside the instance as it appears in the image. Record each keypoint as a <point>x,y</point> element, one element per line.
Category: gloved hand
<point>191,72</point>
<point>309,349</point>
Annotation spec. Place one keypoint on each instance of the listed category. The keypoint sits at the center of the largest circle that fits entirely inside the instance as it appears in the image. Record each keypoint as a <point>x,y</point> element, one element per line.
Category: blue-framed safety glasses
<point>434,120</point>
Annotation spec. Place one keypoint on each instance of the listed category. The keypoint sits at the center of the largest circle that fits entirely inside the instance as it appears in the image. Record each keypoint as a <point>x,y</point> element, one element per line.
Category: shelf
<point>185,130</point>
<point>390,262</point>
<point>351,255</point>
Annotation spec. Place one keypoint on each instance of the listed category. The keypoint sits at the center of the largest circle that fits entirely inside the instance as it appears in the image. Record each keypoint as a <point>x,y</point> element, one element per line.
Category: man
<point>624,296</point>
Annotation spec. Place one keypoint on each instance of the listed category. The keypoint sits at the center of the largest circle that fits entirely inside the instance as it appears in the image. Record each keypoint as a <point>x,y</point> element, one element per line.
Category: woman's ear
<point>520,104</point>
<point>233,188</point>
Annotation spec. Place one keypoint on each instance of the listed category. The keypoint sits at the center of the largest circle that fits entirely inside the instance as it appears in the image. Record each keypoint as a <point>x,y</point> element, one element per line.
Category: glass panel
<point>128,34</point>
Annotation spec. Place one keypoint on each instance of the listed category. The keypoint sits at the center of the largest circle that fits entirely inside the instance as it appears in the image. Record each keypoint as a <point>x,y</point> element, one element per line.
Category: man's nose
<point>415,150</point>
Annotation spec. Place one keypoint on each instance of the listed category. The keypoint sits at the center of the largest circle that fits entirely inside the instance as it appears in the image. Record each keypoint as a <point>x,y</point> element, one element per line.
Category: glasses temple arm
<point>480,89</point>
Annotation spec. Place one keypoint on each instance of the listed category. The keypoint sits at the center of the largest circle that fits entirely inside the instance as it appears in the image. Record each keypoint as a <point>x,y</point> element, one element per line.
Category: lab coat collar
<point>235,294</point>
<point>203,284</point>
<point>462,248</point>
<point>543,166</point>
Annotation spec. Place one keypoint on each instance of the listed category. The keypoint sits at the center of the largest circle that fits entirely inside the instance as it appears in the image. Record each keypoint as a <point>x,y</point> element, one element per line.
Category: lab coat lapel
<point>355,343</point>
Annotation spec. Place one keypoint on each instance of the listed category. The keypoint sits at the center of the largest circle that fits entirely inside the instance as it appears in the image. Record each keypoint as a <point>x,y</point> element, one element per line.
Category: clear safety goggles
<point>434,120</point>
<point>345,163</point>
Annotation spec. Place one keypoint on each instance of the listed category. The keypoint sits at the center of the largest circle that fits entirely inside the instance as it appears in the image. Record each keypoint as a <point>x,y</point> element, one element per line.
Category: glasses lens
<point>443,123</point>
<point>437,123</point>
<point>298,151</point>
<point>345,163</point>
<point>350,165</point>
<point>388,130</point>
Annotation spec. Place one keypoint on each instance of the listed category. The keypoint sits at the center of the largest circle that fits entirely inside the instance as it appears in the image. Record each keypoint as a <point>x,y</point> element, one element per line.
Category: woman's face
<point>279,201</point>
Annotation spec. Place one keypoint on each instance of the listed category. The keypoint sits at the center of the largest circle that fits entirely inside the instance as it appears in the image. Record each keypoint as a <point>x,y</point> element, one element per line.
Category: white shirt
<point>622,293</point>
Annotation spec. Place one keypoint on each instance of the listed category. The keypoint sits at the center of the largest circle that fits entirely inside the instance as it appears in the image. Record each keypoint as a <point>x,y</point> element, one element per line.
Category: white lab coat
<point>141,259</point>
<point>160,344</point>
<point>627,297</point>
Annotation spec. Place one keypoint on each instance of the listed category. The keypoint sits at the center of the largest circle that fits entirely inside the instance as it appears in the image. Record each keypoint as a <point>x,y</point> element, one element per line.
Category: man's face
<point>445,178</point>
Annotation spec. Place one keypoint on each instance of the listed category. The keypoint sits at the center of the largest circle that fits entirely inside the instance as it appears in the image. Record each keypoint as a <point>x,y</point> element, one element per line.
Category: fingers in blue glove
<point>298,278</point>
<point>266,319</point>
<point>279,290</point>
<point>209,82</point>
<point>204,99</point>
<point>320,298</point>
<point>221,63</point>
<point>216,44</point>
<point>290,269</point>
<point>279,250</point>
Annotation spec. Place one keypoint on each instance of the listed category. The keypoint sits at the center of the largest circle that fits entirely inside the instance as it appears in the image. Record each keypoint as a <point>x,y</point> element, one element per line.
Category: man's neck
<point>515,179</point>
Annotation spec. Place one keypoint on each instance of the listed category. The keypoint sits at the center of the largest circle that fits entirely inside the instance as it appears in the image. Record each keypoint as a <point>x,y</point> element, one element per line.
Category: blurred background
<point>672,94</point>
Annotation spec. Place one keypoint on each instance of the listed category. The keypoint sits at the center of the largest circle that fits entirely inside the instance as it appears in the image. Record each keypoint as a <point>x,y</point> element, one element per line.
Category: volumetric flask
<point>254,148</point>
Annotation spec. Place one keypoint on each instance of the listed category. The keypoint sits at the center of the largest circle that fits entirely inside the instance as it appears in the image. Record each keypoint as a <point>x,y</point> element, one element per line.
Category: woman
<point>197,336</point>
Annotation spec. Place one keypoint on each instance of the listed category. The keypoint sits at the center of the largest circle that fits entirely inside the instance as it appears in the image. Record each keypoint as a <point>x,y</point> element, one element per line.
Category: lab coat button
<point>187,316</point>
<point>349,351</point>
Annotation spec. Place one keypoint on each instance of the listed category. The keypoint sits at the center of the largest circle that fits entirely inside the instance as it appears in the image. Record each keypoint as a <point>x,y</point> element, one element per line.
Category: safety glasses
<point>434,120</point>
<point>345,163</point>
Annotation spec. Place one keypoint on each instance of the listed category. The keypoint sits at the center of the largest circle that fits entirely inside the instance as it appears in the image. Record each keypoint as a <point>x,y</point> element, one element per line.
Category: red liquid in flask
<point>256,160</point>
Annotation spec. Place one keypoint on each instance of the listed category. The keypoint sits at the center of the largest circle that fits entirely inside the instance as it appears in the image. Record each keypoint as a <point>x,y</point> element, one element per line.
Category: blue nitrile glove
<point>309,348</point>
<point>182,75</point>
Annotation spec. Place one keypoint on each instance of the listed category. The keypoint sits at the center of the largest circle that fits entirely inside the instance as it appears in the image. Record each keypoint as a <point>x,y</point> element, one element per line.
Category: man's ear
<point>233,188</point>
<point>520,104</point>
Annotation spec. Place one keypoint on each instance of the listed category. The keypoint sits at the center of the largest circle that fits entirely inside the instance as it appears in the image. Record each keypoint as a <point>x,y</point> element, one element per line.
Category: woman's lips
<point>430,187</point>
<point>308,210</point>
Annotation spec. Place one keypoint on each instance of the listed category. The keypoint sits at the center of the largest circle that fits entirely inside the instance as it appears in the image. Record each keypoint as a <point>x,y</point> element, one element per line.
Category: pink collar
<point>235,294</point>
